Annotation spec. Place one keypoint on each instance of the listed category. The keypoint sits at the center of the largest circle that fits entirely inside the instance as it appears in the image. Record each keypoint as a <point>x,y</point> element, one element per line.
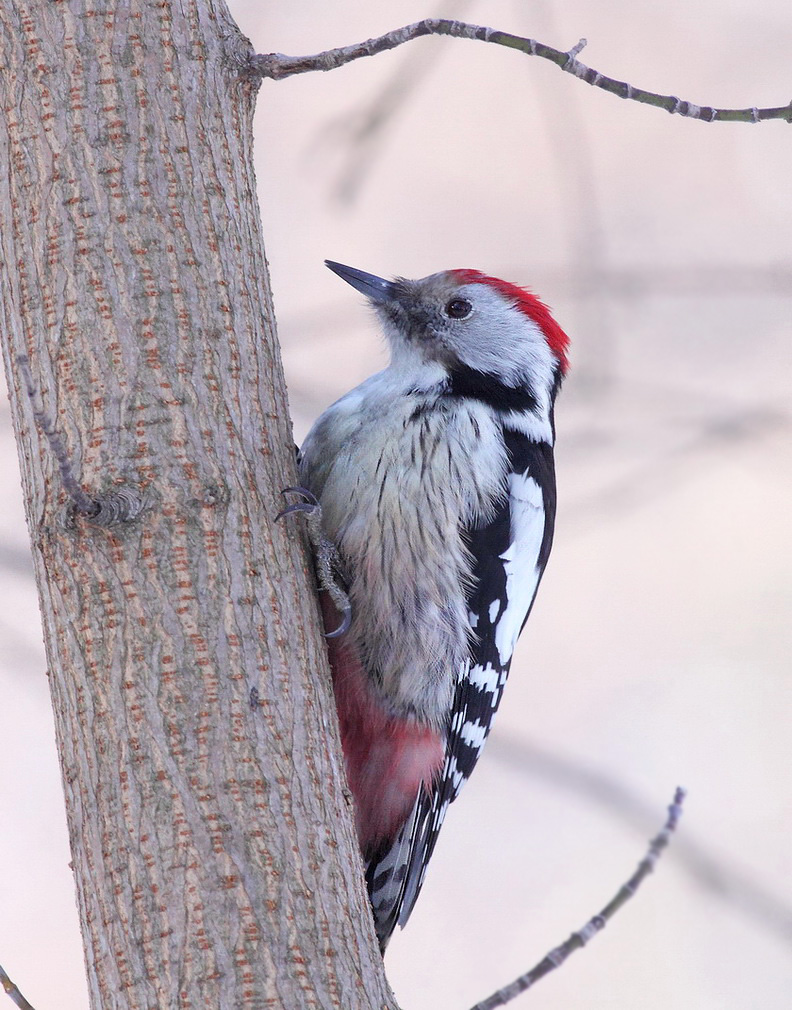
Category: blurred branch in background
<point>364,132</point>
<point>663,469</point>
<point>711,874</point>
<point>596,924</point>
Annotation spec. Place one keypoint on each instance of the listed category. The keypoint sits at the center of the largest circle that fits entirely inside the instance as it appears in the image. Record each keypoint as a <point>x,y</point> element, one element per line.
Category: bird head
<point>473,327</point>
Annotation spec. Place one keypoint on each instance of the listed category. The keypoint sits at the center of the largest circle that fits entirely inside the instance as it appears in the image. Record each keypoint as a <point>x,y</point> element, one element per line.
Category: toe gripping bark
<point>329,570</point>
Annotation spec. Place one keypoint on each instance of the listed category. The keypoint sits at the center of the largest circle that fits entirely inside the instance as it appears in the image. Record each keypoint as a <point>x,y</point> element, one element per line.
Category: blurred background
<point>659,650</point>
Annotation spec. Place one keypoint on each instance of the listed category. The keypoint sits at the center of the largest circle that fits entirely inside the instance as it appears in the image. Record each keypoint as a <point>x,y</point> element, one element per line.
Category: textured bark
<point>214,854</point>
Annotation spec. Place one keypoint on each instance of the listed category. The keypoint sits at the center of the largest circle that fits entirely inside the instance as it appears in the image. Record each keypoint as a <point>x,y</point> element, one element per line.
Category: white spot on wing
<point>484,677</point>
<point>520,559</point>
<point>473,734</point>
<point>494,608</point>
<point>454,775</point>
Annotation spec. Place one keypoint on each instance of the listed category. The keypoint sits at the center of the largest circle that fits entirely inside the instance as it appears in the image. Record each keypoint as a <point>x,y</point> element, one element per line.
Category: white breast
<point>398,479</point>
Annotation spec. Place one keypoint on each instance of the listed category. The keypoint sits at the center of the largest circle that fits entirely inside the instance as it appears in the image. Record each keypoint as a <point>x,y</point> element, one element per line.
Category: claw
<point>302,506</point>
<point>309,495</point>
<point>308,505</point>
<point>326,559</point>
<point>343,627</point>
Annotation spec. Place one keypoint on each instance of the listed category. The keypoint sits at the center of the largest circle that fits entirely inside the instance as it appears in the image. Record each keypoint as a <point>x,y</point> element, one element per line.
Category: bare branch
<point>579,939</point>
<point>720,878</point>
<point>12,990</point>
<point>276,66</point>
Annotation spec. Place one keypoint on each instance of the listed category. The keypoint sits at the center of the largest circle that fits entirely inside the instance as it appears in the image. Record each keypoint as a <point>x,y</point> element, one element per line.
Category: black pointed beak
<point>373,287</point>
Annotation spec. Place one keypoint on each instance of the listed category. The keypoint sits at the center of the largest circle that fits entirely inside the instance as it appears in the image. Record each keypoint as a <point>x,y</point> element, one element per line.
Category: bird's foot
<point>326,558</point>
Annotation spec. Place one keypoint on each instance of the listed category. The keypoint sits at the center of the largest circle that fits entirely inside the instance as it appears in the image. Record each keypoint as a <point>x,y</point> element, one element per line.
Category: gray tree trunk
<point>214,854</point>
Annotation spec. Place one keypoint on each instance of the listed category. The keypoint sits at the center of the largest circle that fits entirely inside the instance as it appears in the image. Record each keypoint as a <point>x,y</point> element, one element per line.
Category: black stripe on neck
<point>466,382</point>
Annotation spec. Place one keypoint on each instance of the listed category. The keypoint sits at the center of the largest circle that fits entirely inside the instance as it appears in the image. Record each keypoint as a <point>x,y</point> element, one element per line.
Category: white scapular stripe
<point>520,559</point>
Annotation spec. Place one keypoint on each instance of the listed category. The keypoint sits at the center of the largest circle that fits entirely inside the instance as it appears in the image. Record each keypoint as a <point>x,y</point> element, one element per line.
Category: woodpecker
<point>434,481</point>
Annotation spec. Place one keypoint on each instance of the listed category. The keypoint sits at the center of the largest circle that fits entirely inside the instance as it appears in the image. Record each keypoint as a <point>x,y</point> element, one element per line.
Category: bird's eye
<point>458,308</point>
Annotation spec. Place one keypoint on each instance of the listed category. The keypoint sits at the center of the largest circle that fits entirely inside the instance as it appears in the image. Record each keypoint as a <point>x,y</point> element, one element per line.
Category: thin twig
<point>276,66</point>
<point>579,939</point>
<point>84,505</point>
<point>13,991</point>
<point>750,896</point>
<point>118,506</point>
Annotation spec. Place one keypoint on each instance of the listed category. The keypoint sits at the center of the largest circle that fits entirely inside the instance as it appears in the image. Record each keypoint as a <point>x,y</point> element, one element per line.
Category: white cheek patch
<point>520,559</point>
